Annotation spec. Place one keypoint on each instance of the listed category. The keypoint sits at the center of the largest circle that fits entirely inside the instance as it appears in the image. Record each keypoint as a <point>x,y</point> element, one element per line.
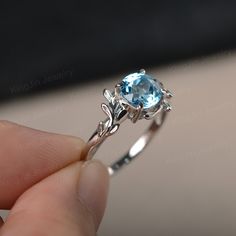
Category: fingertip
<point>93,188</point>
<point>72,201</point>
<point>29,155</point>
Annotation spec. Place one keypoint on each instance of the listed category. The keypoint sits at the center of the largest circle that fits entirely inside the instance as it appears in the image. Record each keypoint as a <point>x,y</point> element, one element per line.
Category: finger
<point>69,202</point>
<point>1,222</point>
<point>28,155</point>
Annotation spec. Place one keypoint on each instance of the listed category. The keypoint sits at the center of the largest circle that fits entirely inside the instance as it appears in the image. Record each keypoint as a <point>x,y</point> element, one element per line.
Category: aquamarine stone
<point>141,88</point>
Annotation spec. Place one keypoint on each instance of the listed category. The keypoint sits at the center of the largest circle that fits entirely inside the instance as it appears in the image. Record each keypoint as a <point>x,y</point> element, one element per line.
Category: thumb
<point>69,202</point>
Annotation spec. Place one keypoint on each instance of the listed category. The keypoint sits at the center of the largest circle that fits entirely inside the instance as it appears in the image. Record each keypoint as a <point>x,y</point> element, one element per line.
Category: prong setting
<point>167,93</point>
<point>142,71</point>
<point>137,113</point>
<point>149,116</point>
<point>120,108</point>
<point>118,88</point>
<point>166,106</point>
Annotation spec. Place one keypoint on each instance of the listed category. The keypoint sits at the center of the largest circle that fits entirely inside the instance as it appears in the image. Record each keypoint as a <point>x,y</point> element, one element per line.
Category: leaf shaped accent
<point>108,95</point>
<point>114,129</point>
<point>108,112</point>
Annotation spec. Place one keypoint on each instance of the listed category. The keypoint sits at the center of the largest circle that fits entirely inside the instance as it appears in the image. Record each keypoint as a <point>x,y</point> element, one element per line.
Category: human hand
<point>46,186</point>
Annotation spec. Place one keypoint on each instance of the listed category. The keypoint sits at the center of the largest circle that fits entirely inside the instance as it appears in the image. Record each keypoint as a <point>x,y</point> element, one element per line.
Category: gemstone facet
<point>140,88</point>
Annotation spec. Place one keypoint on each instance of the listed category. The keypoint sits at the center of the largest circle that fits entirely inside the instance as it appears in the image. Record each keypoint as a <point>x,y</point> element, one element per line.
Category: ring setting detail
<point>138,96</point>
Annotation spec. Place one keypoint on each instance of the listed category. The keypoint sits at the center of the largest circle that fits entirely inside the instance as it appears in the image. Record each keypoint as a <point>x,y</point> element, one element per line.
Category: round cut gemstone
<point>139,88</point>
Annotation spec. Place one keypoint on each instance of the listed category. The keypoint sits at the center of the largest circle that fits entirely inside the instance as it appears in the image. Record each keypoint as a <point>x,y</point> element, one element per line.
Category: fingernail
<point>93,188</point>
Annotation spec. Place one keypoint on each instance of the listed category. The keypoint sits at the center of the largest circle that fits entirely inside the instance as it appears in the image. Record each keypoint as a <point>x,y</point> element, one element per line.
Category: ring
<point>138,96</point>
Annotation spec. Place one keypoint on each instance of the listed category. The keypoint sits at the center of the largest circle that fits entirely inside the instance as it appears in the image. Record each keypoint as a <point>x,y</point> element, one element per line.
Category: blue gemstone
<point>141,88</point>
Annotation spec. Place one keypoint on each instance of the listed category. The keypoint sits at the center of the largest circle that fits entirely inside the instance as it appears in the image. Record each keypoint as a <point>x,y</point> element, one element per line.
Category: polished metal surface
<point>120,110</point>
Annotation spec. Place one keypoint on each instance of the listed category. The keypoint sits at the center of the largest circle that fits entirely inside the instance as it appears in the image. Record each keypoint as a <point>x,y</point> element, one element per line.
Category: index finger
<point>27,156</point>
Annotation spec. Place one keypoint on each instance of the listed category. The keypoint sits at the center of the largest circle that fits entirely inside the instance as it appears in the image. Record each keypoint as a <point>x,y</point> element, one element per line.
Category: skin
<point>46,186</point>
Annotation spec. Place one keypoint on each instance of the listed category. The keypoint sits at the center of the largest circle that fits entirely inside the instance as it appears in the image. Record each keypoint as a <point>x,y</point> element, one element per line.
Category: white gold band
<point>141,143</point>
<point>119,110</point>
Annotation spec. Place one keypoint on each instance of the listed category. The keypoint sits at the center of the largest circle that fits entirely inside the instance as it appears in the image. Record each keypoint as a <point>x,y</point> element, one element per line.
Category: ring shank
<point>95,141</point>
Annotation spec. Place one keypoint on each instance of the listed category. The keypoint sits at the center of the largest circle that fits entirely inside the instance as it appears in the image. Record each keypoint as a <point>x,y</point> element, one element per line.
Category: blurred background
<point>57,56</point>
<point>46,44</point>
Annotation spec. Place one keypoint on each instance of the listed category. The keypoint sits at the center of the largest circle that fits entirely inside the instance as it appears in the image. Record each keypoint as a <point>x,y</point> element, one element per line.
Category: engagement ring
<point>138,96</point>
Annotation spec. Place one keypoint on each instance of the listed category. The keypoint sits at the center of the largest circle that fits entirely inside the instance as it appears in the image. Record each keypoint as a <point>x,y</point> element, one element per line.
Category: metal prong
<point>166,106</point>
<point>142,71</point>
<point>139,110</point>
<point>150,116</point>
<point>117,89</point>
<point>167,93</point>
<point>128,106</point>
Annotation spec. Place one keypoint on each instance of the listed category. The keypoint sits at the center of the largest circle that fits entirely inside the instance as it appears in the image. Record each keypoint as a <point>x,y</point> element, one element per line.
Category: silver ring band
<point>119,110</point>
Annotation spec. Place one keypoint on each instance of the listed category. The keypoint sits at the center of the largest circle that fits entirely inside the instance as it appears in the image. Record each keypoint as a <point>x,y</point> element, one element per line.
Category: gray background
<point>184,184</point>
